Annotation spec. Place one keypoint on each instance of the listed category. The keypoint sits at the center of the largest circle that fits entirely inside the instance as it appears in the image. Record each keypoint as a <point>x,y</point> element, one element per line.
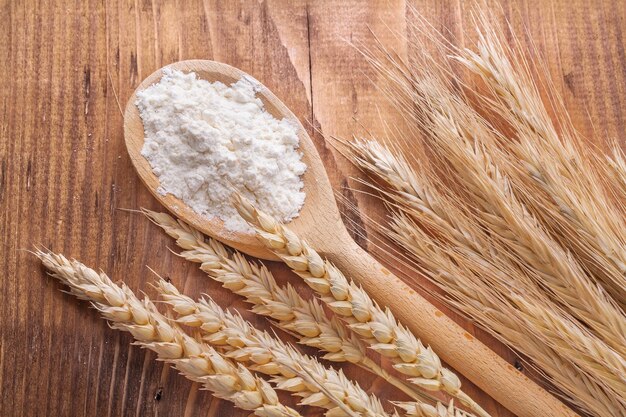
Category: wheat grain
<point>244,343</point>
<point>290,311</point>
<point>197,361</point>
<point>375,325</point>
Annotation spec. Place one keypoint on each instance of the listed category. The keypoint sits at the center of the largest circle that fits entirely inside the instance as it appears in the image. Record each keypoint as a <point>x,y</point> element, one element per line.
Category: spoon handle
<point>450,341</point>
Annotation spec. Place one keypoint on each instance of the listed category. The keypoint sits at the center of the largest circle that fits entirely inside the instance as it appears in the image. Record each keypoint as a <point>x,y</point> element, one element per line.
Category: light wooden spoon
<point>321,225</point>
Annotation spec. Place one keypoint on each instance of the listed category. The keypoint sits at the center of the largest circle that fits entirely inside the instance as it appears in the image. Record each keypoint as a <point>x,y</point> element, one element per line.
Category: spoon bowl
<point>320,224</point>
<point>319,195</point>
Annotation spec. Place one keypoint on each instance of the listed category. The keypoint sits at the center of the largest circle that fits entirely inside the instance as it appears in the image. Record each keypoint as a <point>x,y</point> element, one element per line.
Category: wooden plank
<point>65,67</point>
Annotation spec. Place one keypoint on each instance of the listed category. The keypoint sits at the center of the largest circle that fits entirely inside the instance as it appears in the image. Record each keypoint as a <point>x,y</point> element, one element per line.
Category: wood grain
<point>65,67</point>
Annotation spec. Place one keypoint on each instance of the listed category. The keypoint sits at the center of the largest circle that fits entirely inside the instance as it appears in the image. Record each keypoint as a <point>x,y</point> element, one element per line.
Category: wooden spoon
<point>321,225</point>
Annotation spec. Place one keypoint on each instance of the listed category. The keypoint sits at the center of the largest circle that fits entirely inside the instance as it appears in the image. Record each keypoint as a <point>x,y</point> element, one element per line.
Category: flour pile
<point>204,140</point>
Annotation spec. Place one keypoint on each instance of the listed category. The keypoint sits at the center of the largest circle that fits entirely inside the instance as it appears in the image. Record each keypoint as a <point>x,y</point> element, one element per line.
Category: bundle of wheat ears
<point>536,255</point>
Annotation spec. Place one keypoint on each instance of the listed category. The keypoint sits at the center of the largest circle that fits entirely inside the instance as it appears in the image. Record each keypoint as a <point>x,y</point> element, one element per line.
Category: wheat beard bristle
<point>617,165</point>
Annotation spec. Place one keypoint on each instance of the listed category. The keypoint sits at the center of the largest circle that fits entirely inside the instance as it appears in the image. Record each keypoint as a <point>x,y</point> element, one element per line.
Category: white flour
<point>204,140</point>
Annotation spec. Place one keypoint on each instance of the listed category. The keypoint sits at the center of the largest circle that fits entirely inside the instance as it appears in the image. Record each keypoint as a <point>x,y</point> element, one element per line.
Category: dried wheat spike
<point>435,233</point>
<point>375,325</point>
<point>196,361</point>
<point>244,343</point>
<point>455,127</point>
<point>431,211</point>
<point>551,165</point>
<point>504,303</point>
<point>411,191</point>
<point>290,311</point>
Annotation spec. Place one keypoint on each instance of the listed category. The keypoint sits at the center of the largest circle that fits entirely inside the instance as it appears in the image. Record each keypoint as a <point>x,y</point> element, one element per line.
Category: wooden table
<point>66,69</point>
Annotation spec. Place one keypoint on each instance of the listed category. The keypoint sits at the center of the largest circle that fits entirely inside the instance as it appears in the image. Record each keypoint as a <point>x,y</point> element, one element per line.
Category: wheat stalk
<point>573,201</point>
<point>376,326</point>
<point>196,361</point>
<point>290,311</point>
<point>291,359</point>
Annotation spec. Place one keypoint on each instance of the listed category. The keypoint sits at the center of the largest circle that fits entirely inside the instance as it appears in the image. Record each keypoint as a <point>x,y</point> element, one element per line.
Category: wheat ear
<point>291,359</point>
<point>411,191</point>
<point>571,199</point>
<point>469,152</point>
<point>498,299</point>
<point>455,127</point>
<point>435,233</point>
<point>291,370</point>
<point>290,311</point>
<point>376,326</point>
<point>244,343</point>
<point>436,214</point>
<point>151,330</point>
<point>416,100</point>
<point>481,298</point>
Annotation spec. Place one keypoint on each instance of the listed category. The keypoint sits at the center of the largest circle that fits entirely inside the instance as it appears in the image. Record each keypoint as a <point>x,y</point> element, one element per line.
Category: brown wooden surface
<point>65,70</point>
